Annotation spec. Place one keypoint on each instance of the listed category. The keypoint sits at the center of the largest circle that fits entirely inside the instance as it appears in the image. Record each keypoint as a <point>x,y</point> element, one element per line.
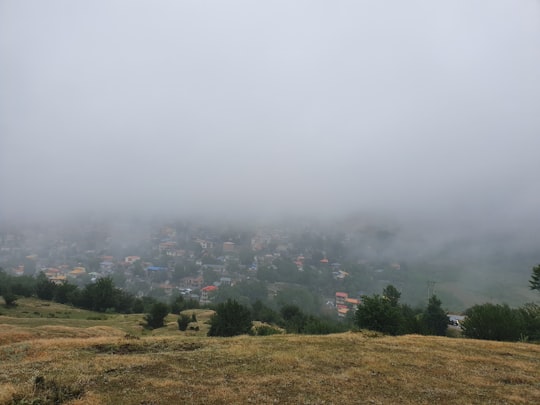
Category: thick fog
<point>410,109</point>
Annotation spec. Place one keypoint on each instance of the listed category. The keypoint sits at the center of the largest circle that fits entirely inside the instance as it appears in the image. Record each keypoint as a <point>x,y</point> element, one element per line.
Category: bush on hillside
<point>183,322</point>
<point>10,299</point>
<point>493,322</point>
<point>155,318</point>
<point>230,319</point>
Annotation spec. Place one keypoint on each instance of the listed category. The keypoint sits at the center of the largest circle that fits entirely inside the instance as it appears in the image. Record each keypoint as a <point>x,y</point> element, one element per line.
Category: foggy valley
<point>420,121</point>
<point>192,191</point>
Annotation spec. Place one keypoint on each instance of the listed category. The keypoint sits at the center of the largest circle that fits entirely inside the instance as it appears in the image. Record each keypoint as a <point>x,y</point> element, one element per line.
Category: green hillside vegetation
<point>52,353</point>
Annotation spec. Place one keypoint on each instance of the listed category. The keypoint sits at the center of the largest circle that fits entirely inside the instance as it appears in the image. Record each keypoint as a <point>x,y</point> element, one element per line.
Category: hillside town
<point>318,271</point>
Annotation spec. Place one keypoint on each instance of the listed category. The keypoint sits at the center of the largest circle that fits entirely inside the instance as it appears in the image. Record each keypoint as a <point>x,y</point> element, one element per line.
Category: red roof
<point>209,288</point>
<point>342,294</point>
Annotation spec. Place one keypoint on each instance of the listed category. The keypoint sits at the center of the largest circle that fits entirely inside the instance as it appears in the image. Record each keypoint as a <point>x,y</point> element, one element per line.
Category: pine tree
<point>155,319</point>
<point>183,322</point>
<point>435,319</point>
<point>535,278</point>
<point>230,319</point>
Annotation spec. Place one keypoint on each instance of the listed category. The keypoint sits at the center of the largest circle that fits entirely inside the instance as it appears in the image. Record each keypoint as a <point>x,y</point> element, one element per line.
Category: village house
<point>341,304</point>
<point>167,288</point>
<point>205,244</point>
<point>167,247</point>
<point>77,272</point>
<point>131,259</point>
<point>206,293</point>
<point>193,282</point>
<point>229,247</point>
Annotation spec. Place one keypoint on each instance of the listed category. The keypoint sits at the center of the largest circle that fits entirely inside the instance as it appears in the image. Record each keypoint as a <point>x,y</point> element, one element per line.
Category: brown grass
<point>103,365</point>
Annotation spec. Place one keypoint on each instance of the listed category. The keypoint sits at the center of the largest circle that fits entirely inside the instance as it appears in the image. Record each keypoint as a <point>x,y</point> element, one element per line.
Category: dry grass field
<point>114,361</point>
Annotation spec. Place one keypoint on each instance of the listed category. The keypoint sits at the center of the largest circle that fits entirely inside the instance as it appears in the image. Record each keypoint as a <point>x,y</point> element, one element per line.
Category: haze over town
<point>307,107</point>
<point>411,115</point>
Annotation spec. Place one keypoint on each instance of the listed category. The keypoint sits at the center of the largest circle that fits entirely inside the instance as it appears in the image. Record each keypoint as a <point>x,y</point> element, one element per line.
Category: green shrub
<point>156,317</point>
<point>183,322</point>
<point>10,299</point>
<point>265,330</point>
<point>230,319</point>
<point>493,322</point>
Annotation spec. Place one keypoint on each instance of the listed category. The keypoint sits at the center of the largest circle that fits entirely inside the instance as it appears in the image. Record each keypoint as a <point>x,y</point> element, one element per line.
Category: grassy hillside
<point>76,360</point>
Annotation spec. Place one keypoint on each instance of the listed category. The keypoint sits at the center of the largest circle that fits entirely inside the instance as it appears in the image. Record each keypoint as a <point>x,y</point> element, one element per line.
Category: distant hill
<point>75,358</point>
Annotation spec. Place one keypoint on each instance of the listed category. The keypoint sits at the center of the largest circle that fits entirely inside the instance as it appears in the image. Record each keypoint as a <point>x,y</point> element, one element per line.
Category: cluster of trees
<point>385,314</point>
<point>232,318</point>
<point>12,287</point>
<point>101,296</point>
<point>500,322</point>
<point>249,292</point>
<point>382,313</point>
<point>293,320</point>
<point>485,321</point>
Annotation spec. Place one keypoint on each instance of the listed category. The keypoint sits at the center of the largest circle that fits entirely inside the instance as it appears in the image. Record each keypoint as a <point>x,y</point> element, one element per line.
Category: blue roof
<point>155,268</point>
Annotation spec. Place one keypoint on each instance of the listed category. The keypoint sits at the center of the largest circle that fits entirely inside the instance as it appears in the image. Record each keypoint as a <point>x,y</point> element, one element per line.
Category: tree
<point>4,281</point>
<point>294,319</point>
<point>434,318</point>
<point>10,299</point>
<point>535,278</point>
<point>65,293</point>
<point>45,288</point>
<point>378,313</point>
<point>155,318</point>
<point>392,295</point>
<point>493,322</point>
<point>138,306</point>
<point>530,314</point>
<point>230,319</point>
<point>308,301</point>
<point>99,296</point>
<point>103,296</point>
<point>183,322</point>
<point>411,322</point>
<point>264,313</point>
<point>318,326</point>
<point>23,285</point>
<point>179,304</point>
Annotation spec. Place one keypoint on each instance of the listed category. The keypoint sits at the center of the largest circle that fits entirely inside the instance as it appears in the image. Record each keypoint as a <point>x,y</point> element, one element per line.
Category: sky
<point>417,109</point>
